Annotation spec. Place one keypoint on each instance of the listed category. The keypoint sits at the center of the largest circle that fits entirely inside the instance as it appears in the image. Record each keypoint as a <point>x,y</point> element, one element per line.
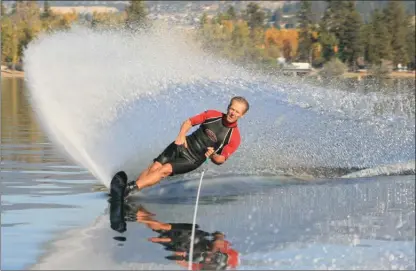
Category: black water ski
<point>118,186</point>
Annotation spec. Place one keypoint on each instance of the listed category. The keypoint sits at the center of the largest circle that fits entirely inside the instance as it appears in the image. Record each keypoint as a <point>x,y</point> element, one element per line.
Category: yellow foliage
<point>284,39</point>
<point>228,25</point>
<point>70,17</point>
<point>316,50</point>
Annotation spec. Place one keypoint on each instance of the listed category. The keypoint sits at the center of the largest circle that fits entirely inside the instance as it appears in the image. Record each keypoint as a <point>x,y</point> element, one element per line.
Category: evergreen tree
<point>6,39</point>
<point>330,25</point>
<point>204,19</point>
<point>328,42</point>
<point>277,17</point>
<point>305,31</point>
<point>46,9</point>
<point>395,17</point>
<point>350,45</point>
<point>379,40</point>
<point>365,37</point>
<point>410,42</point>
<point>3,9</point>
<point>136,13</point>
<point>231,13</point>
<point>254,15</point>
<point>333,18</point>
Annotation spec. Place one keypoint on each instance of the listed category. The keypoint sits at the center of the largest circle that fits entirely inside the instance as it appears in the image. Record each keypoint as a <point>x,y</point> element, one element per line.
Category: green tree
<point>47,12</point>
<point>365,37</point>
<point>350,43</point>
<point>395,17</point>
<point>6,39</point>
<point>136,14</point>
<point>240,41</point>
<point>379,41</point>
<point>329,28</point>
<point>329,25</point>
<point>254,15</point>
<point>204,19</point>
<point>277,17</point>
<point>3,9</point>
<point>333,17</point>
<point>231,13</point>
<point>305,31</point>
<point>328,42</point>
<point>410,42</point>
<point>342,21</point>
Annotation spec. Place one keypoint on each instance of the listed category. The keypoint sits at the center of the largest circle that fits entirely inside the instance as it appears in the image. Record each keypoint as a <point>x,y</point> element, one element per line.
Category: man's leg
<point>154,176</point>
<point>156,165</point>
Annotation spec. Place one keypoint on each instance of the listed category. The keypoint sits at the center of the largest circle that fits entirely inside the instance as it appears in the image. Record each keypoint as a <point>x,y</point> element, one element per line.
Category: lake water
<point>323,179</point>
<point>55,214</point>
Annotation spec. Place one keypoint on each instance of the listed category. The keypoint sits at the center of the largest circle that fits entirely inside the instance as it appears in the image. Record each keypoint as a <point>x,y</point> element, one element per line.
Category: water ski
<point>118,186</point>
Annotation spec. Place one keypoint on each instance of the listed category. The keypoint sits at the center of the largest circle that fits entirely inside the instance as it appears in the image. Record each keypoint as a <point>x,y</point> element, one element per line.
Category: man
<point>217,138</point>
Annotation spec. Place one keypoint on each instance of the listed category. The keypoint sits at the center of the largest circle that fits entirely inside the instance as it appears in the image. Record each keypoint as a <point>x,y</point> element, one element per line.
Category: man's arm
<point>228,149</point>
<point>185,127</point>
<point>181,138</point>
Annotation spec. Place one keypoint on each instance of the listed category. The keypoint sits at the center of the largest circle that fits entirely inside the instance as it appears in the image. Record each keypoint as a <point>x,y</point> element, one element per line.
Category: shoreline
<point>12,74</point>
<point>347,75</point>
<point>393,75</point>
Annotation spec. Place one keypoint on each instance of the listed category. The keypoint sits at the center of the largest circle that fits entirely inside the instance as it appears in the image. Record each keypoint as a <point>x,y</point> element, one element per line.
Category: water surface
<point>54,215</point>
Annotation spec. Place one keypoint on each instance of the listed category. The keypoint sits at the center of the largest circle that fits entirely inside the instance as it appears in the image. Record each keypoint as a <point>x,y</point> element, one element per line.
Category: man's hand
<point>181,140</point>
<point>209,152</point>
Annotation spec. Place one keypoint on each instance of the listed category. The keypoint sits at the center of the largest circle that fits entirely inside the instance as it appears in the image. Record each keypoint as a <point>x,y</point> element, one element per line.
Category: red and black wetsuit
<point>214,131</point>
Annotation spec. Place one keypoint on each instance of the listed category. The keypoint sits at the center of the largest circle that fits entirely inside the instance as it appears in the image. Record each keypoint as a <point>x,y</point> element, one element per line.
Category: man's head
<point>237,108</point>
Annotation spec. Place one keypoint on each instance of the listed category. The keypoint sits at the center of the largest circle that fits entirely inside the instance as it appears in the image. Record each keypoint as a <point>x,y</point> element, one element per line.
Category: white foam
<point>80,81</point>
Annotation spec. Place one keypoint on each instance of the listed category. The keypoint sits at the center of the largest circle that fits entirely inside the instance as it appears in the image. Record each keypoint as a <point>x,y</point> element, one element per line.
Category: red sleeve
<point>200,118</point>
<point>232,146</point>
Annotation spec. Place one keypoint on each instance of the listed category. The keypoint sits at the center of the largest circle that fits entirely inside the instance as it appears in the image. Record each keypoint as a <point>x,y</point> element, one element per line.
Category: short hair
<point>241,100</point>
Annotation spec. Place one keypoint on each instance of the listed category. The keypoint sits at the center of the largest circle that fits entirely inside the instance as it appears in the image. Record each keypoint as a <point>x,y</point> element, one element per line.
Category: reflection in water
<point>211,250</point>
<point>22,139</point>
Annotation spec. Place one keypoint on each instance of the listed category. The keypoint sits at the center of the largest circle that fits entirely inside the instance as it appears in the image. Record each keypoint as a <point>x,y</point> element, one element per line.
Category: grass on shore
<point>12,74</point>
<point>394,74</point>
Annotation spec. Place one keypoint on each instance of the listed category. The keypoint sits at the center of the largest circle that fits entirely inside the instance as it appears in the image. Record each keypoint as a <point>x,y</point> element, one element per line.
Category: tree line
<point>26,20</point>
<point>340,34</point>
<point>247,36</point>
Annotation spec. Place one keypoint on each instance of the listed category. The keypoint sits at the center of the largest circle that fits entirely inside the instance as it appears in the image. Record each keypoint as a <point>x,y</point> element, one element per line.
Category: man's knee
<point>166,169</point>
<point>155,166</point>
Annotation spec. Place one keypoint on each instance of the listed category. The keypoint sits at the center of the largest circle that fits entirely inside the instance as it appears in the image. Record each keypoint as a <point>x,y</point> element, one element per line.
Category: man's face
<point>235,111</point>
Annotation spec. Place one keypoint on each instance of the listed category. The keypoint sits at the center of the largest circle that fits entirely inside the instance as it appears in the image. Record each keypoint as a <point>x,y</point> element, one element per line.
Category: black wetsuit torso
<point>211,133</point>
